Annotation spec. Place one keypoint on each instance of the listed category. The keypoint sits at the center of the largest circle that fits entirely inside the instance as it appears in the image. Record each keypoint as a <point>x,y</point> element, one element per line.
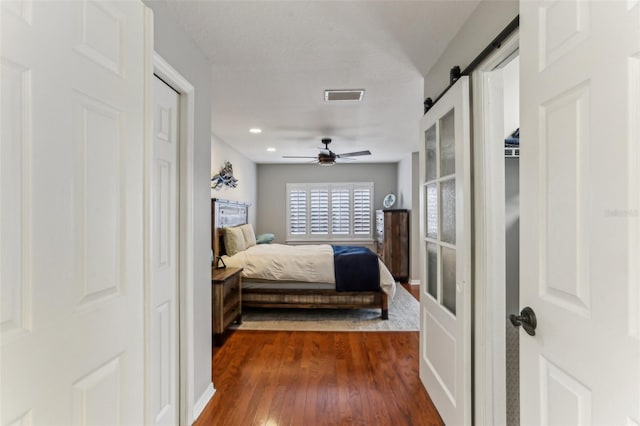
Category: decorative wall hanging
<point>224,178</point>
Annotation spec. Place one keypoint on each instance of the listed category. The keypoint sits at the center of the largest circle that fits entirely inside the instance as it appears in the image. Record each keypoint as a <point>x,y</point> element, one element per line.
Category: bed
<point>284,276</point>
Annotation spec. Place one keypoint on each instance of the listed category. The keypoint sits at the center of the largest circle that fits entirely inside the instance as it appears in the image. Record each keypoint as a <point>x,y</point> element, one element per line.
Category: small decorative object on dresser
<point>389,201</point>
<point>226,295</point>
<point>392,241</point>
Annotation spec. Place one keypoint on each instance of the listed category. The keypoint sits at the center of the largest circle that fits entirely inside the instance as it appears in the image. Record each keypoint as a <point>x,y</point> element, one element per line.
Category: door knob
<point>526,319</point>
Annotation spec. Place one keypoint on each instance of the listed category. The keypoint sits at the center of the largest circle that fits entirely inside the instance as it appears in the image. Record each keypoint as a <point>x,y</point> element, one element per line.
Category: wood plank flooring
<point>318,378</point>
<point>413,289</point>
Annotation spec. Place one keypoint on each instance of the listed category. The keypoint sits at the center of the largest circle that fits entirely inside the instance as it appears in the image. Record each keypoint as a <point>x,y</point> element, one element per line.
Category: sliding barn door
<point>445,220</point>
<point>580,230</point>
<point>71,212</point>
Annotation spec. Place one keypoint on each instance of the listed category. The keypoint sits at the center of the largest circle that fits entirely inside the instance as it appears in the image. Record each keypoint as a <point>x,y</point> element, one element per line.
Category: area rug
<point>404,315</point>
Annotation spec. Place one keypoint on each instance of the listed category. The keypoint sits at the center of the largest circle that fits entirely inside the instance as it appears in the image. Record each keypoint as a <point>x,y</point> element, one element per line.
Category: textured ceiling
<point>272,60</point>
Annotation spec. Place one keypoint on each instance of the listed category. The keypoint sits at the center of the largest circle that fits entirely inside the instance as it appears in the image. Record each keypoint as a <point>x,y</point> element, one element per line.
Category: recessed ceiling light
<point>271,149</point>
<point>255,130</point>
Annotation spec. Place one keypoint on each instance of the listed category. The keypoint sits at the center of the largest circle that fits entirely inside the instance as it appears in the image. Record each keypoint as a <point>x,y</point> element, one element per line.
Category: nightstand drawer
<point>226,306</point>
<point>231,286</point>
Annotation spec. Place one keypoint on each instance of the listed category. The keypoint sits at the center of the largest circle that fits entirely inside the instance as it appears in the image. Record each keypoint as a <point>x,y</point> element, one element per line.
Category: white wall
<point>273,178</point>
<point>487,21</point>
<point>404,195</point>
<point>171,42</point>
<point>511,93</point>
<point>244,170</point>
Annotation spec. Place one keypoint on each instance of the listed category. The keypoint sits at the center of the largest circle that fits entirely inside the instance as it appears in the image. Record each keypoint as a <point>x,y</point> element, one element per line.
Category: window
<point>329,211</point>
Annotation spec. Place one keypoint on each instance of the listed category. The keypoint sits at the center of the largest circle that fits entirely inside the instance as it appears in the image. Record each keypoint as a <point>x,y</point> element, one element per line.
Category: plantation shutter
<point>319,205</point>
<point>362,210</point>
<point>329,211</point>
<point>340,206</point>
<point>298,211</point>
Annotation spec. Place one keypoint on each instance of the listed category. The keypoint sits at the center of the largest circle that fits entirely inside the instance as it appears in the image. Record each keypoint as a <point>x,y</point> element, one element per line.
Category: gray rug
<point>404,315</point>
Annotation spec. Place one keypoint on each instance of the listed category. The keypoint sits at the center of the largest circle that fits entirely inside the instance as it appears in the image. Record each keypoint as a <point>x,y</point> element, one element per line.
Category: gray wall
<point>408,198</point>
<point>486,22</point>
<point>272,180</point>
<point>243,169</point>
<point>181,52</point>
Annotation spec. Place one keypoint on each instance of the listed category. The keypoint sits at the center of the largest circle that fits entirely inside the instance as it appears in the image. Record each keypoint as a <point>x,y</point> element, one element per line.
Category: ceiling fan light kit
<point>326,157</point>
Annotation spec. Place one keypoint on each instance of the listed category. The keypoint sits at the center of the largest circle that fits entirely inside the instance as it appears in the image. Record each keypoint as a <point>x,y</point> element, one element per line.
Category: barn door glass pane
<point>447,145</point>
<point>448,212</point>
<point>432,270</point>
<point>432,210</point>
<point>449,279</point>
<point>432,159</point>
<point>440,217</point>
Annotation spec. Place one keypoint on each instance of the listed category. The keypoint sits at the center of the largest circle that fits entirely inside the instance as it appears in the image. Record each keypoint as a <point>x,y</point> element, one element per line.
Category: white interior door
<point>580,131</point>
<point>445,299</point>
<point>71,212</point>
<point>164,256</point>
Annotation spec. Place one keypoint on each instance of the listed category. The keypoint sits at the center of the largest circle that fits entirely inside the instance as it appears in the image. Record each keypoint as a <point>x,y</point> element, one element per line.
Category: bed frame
<point>226,213</point>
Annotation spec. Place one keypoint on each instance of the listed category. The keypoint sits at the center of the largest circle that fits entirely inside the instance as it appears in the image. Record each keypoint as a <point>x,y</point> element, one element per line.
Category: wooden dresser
<point>226,294</point>
<point>392,241</point>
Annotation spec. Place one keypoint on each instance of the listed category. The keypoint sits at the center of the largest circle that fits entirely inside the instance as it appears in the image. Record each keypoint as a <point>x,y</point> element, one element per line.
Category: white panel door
<point>445,220</point>
<point>579,162</point>
<point>71,212</point>
<point>164,256</point>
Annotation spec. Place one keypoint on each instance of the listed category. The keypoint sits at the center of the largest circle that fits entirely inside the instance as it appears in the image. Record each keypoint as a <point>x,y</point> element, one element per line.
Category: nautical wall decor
<point>224,178</point>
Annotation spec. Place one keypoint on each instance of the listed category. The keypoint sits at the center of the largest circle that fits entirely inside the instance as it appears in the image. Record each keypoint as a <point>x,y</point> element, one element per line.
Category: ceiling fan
<point>326,157</point>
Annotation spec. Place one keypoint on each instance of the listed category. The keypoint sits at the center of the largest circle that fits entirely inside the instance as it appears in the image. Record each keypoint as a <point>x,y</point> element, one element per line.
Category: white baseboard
<point>414,282</point>
<point>202,402</point>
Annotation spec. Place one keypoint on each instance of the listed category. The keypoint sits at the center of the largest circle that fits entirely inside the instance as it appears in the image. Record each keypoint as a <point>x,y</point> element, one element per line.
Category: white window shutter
<point>319,206</point>
<point>329,211</point>
<point>340,207</point>
<point>362,211</point>
<point>298,211</point>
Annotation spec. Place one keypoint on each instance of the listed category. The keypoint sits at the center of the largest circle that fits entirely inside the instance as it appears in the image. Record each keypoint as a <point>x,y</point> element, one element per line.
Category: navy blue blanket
<point>356,269</point>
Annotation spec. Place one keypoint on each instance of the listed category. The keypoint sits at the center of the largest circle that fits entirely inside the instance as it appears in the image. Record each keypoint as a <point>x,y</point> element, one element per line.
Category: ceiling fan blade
<point>353,154</point>
<point>296,156</point>
<point>346,158</point>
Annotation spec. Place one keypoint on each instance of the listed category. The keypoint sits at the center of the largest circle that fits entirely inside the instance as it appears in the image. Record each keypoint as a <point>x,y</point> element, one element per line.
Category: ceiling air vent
<point>343,95</point>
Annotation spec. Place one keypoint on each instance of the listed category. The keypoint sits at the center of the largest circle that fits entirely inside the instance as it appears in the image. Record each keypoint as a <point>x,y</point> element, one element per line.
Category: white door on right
<point>580,240</point>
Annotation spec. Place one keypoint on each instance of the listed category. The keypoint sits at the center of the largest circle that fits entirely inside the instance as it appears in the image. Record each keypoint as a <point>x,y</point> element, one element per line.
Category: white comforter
<point>303,263</point>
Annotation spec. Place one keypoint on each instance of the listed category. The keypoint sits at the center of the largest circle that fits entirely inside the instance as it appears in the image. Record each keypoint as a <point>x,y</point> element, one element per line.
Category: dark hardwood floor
<point>318,378</point>
<point>413,289</point>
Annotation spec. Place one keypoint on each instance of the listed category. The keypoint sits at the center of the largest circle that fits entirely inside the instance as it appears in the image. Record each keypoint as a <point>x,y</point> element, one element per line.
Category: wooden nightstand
<point>226,294</point>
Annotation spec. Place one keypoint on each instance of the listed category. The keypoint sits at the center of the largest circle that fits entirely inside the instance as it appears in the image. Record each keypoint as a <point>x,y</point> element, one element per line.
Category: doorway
<point>187,408</point>
<point>497,260</point>
<point>511,136</point>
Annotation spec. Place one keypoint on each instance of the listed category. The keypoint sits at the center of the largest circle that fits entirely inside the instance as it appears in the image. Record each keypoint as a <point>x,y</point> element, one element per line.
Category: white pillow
<point>249,235</point>
<point>234,241</point>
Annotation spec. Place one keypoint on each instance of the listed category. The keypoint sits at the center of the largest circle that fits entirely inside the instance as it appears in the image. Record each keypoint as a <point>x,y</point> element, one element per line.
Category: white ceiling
<point>272,61</point>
